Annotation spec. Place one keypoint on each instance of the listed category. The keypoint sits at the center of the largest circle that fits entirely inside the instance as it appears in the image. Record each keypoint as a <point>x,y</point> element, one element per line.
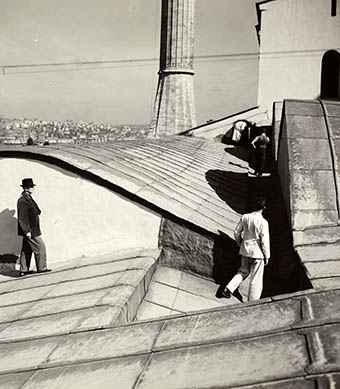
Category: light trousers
<point>252,267</point>
<point>37,246</point>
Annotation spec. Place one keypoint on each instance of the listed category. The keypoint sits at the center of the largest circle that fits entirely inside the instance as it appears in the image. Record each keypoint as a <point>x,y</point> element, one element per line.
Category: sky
<point>122,37</point>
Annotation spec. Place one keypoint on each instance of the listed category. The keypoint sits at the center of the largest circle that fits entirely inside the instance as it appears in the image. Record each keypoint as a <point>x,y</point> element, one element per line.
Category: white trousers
<point>252,267</point>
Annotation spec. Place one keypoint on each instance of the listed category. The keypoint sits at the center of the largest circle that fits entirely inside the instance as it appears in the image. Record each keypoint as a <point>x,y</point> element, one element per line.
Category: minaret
<point>174,108</point>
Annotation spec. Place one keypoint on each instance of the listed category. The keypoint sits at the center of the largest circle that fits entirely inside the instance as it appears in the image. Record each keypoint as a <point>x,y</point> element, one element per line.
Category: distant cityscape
<point>23,130</point>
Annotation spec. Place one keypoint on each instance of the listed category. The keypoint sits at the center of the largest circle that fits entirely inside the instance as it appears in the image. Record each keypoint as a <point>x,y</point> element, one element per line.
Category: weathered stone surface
<point>313,190</point>
<point>117,295</point>
<point>334,124</point>
<point>149,310</point>
<point>116,342</point>
<point>227,364</point>
<point>161,294</point>
<point>63,304</point>
<point>38,280</point>
<point>303,108</point>
<point>332,108</point>
<point>23,296</point>
<point>186,250</point>
<point>305,218</point>
<point>117,373</point>
<point>188,302</point>
<point>320,252</point>
<point>306,127</point>
<point>81,286</point>
<point>228,324</point>
<point>311,154</point>
<point>316,235</point>
<point>323,343</point>
<point>296,383</point>
<point>46,326</point>
<point>14,381</point>
<point>167,275</point>
<point>326,283</point>
<point>323,269</point>
<point>99,317</point>
<point>323,306</point>
<point>26,355</point>
<point>13,312</point>
<point>198,285</point>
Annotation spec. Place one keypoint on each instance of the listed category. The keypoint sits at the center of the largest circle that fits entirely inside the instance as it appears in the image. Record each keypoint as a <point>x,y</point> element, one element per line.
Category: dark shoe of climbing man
<point>226,293</point>
<point>44,271</point>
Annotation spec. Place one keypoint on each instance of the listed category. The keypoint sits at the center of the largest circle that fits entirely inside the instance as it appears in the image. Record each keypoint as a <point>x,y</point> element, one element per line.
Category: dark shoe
<point>25,273</point>
<point>219,292</point>
<point>226,293</point>
<point>44,271</point>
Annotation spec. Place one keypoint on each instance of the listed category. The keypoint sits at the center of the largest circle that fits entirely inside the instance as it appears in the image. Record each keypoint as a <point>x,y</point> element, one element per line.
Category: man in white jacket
<point>252,235</point>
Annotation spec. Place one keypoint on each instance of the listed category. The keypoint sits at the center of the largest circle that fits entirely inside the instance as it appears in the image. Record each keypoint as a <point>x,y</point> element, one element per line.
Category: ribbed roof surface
<point>194,179</point>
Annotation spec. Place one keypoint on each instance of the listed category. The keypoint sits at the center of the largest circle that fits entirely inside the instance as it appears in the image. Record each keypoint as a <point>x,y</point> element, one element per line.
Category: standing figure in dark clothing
<point>260,145</point>
<point>29,229</point>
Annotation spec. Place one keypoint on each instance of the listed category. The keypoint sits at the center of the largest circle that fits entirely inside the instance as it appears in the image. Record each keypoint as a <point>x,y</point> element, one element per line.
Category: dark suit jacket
<point>28,216</point>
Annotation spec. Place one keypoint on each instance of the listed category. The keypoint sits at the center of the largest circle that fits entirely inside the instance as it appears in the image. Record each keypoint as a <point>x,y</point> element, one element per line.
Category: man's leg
<point>256,279</point>
<point>25,256</point>
<point>39,249</point>
<point>241,275</point>
<point>262,158</point>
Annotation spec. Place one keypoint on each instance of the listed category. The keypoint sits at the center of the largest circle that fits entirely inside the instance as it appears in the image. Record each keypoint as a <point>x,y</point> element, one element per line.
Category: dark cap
<point>27,183</point>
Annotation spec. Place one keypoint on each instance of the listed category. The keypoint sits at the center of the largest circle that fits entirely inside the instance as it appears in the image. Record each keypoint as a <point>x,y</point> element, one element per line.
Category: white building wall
<point>78,217</point>
<point>295,34</point>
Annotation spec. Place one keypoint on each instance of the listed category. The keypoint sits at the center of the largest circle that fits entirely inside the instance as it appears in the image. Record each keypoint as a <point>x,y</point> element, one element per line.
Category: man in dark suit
<point>29,229</point>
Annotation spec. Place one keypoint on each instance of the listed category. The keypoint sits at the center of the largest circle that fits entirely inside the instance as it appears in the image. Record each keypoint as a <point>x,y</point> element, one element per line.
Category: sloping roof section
<point>309,158</point>
<point>196,180</point>
<point>285,342</point>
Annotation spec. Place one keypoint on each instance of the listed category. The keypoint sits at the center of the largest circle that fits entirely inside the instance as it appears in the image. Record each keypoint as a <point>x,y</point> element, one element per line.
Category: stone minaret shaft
<point>174,108</point>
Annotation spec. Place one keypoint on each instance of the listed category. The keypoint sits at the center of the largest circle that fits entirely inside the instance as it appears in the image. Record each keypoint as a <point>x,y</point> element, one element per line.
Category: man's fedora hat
<point>27,183</point>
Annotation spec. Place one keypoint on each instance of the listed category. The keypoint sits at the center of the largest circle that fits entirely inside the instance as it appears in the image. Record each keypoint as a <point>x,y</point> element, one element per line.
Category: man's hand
<point>28,235</point>
<point>266,260</point>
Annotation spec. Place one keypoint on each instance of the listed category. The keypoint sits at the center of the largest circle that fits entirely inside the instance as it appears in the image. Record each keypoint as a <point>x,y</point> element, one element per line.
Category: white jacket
<point>252,235</point>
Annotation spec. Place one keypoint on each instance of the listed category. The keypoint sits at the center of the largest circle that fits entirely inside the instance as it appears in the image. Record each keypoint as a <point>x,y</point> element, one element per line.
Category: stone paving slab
<point>14,381</point>
<point>188,302</point>
<point>63,304</point>
<point>326,283</point>
<point>37,280</point>
<point>60,323</point>
<point>322,306</point>
<point>148,310</point>
<point>323,269</point>
<point>84,285</point>
<point>14,312</point>
<point>304,218</point>
<point>311,154</point>
<point>316,236</point>
<point>23,296</point>
<point>19,356</point>
<point>295,383</point>
<point>167,275</point>
<point>118,373</point>
<point>227,325</point>
<point>306,127</point>
<point>227,364</point>
<point>116,342</point>
<point>161,294</point>
<point>323,343</point>
<point>303,108</point>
